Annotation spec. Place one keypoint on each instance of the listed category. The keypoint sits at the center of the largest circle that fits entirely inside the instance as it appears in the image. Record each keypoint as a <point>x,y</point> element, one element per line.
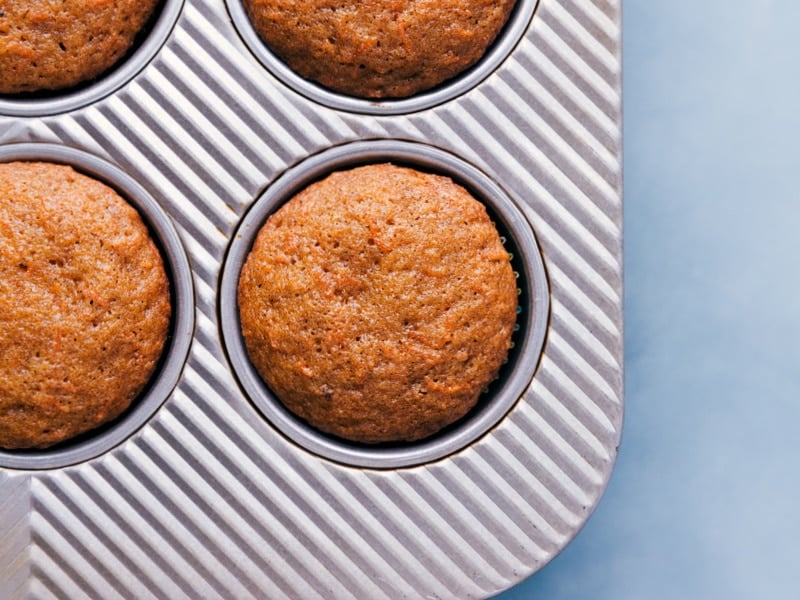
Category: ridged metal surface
<point>207,500</point>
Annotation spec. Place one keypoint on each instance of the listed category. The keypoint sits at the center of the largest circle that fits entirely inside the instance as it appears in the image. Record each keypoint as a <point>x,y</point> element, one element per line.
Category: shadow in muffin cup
<point>496,53</point>
<point>97,441</point>
<point>145,46</point>
<point>528,340</point>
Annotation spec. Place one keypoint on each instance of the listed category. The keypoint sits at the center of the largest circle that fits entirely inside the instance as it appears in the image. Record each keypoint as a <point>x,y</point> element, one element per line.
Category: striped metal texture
<point>207,500</point>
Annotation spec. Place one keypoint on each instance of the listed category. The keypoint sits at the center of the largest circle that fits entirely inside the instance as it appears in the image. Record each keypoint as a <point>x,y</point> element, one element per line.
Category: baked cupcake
<point>379,49</point>
<point>48,45</point>
<point>378,303</point>
<point>84,304</point>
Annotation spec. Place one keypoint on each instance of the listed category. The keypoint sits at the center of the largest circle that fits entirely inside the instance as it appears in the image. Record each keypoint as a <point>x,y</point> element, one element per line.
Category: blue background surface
<point>703,503</point>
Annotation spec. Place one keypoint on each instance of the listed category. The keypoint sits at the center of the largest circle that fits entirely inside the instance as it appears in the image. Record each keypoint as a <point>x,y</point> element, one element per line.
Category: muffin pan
<point>205,489</point>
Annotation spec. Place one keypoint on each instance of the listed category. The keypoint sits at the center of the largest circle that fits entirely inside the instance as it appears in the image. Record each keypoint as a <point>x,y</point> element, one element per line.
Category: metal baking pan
<point>205,489</point>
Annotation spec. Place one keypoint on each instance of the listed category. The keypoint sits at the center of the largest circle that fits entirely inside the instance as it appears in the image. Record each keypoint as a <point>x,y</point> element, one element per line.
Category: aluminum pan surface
<point>207,500</point>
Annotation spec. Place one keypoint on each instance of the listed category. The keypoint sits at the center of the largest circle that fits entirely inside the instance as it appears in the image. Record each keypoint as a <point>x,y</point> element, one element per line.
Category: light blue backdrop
<point>705,499</point>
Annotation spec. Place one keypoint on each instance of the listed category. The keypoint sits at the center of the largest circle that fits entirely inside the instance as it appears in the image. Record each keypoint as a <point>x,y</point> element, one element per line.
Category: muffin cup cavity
<point>146,44</point>
<point>93,443</point>
<point>532,320</point>
<point>497,52</point>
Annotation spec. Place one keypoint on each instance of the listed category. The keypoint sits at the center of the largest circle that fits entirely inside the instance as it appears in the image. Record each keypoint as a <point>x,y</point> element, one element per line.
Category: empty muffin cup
<point>395,61</point>
<point>57,59</point>
<point>125,368</point>
<point>530,302</point>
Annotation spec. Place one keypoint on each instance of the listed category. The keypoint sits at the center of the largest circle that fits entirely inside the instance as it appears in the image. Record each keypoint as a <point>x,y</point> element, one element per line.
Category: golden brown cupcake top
<point>381,48</point>
<point>84,304</point>
<point>47,45</point>
<point>378,303</point>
